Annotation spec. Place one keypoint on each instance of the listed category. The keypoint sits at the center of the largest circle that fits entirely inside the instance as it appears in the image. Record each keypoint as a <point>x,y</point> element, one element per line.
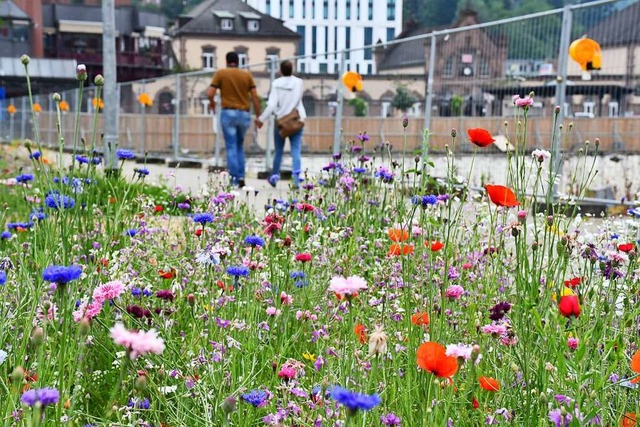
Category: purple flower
<point>125,154</point>
<point>202,218</point>
<point>390,420</point>
<point>61,274</point>
<point>354,401</point>
<point>44,396</point>
<point>256,398</point>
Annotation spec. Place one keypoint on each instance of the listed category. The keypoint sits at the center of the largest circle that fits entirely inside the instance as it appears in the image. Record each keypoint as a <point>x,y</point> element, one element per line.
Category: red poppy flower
<point>303,257</point>
<point>432,357</point>
<point>419,319</point>
<point>569,306</point>
<point>158,208</point>
<point>635,366</point>
<point>480,137</point>
<point>361,332</point>
<point>572,283</point>
<point>626,247</point>
<point>305,207</point>
<point>396,250</point>
<point>167,274</point>
<point>489,384</point>
<point>112,200</point>
<point>199,232</point>
<point>398,234</point>
<point>474,403</point>
<point>628,420</point>
<point>434,245</point>
<point>502,196</point>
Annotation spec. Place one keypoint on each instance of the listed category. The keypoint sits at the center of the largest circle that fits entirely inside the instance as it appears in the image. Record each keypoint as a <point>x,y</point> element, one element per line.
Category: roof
<point>407,54</point>
<point>128,19</point>
<point>204,19</point>
<point>39,68</point>
<point>619,28</point>
<point>8,9</point>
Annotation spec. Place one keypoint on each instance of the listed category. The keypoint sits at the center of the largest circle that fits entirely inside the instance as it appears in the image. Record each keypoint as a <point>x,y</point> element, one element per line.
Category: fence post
<point>337,127</point>
<point>429,99</point>
<point>23,118</point>
<point>561,88</point>
<point>176,118</point>
<point>218,126</point>
<point>271,123</point>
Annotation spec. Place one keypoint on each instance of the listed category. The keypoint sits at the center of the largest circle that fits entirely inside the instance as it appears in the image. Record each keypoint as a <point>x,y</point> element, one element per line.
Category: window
<point>243,59</point>
<point>326,40</point>
<point>290,8</point>
<point>208,58</point>
<point>348,9</point>
<point>370,10</point>
<point>304,9</point>
<point>273,54</point>
<point>368,41</point>
<point>347,42</point>
<point>281,7</point>
<point>369,68</point>
<point>391,34</point>
<point>335,42</point>
<point>268,9</point>
<point>325,9</point>
<point>253,25</point>
<point>226,24</point>
<point>449,66</point>
<point>358,10</point>
<point>323,69</point>
<point>301,67</point>
<point>335,9</point>
<point>300,31</point>
<point>484,70</point>
<point>314,40</point>
<point>313,9</point>
<point>391,10</point>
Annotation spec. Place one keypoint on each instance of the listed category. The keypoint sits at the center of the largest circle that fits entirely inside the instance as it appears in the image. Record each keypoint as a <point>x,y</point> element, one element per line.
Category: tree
<point>360,106</point>
<point>174,8</point>
<point>403,100</point>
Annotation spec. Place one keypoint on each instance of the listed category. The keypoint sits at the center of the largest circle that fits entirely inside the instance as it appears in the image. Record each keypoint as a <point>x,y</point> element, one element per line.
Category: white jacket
<point>285,95</point>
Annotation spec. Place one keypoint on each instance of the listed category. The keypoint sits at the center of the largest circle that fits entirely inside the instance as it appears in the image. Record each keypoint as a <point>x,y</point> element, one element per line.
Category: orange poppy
<point>419,319</point>
<point>434,245</point>
<point>97,103</point>
<point>489,384</point>
<point>635,366</point>
<point>480,137</point>
<point>628,420</point>
<point>432,357</point>
<point>397,249</point>
<point>361,332</point>
<point>11,109</point>
<point>64,106</point>
<point>398,234</point>
<point>569,306</point>
<point>37,108</point>
<point>502,196</point>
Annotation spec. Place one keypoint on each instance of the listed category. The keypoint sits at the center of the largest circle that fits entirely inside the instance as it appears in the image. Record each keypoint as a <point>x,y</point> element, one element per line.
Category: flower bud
<point>550,220</point>
<point>83,326</point>
<point>454,133</point>
<point>37,338</point>
<point>99,80</point>
<point>28,144</point>
<point>405,122</point>
<point>25,59</point>
<point>416,159</point>
<point>597,142</point>
<point>556,110</point>
<point>18,374</point>
<point>81,72</point>
<point>141,383</point>
<point>229,405</point>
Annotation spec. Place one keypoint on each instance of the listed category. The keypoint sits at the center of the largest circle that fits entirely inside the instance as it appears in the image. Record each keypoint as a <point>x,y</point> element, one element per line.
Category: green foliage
<point>403,100</point>
<point>456,105</point>
<point>360,106</point>
<point>174,8</point>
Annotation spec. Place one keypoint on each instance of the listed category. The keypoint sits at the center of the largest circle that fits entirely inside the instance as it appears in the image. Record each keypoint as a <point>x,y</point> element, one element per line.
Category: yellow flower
<point>97,103</point>
<point>145,100</point>
<point>309,356</point>
<point>555,230</point>
<point>37,108</point>
<point>64,106</point>
<point>566,292</point>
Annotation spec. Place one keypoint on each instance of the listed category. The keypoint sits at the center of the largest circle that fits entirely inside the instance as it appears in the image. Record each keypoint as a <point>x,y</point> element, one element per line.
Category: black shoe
<point>241,183</point>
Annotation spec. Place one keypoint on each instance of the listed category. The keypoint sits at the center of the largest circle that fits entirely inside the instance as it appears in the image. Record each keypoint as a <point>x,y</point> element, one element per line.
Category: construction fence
<point>457,78</point>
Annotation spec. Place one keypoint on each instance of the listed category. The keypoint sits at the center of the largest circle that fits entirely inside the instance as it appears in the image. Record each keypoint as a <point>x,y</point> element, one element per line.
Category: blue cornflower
<point>384,174</point>
<point>354,401</point>
<point>255,397</point>
<point>147,293</point>
<point>301,283</point>
<point>429,200</point>
<point>96,160</point>
<point>125,154</point>
<point>5,235</point>
<point>61,274</point>
<point>203,218</point>
<point>297,275</point>
<point>37,214</point>
<point>142,172</point>
<point>44,396</point>
<point>359,170</point>
<point>55,200</point>
<point>136,292</point>
<point>323,182</point>
<point>25,177</point>
<point>3,277</point>
<point>142,404</point>
<point>13,225</point>
<point>237,270</point>
<point>82,159</point>
<point>131,232</point>
<point>254,241</point>
<point>35,155</point>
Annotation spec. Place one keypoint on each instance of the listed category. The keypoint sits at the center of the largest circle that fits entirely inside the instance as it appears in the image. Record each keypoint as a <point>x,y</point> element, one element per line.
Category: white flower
<point>540,155</point>
<point>3,356</point>
<point>168,389</point>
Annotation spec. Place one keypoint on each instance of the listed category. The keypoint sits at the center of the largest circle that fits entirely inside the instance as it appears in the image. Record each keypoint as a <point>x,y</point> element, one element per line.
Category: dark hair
<point>286,68</point>
<point>232,58</point>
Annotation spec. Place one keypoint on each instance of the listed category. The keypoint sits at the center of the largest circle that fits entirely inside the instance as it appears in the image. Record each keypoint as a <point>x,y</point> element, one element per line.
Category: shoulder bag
<point>290,124</point>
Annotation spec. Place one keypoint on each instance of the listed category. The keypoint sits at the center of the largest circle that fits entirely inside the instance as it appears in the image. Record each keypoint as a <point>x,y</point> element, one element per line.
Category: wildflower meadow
<point>380,293</point>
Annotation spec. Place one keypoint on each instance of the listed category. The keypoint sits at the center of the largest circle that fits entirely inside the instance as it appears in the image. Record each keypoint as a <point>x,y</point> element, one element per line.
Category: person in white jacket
<point>284,97</point>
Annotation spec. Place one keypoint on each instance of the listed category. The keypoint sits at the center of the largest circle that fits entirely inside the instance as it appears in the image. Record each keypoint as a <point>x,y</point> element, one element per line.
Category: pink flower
<point>494,329</point>
<point>459,350</point>
<point>272,311</point>
<point>137,343</point>
<point>525,102</point>
<point>286,299</point>
<point>572,343</point>
<point>87,311</point>
<point>454,291</point>
<point>108,291</point>
<point>347,286</point>
<point>287,372</point>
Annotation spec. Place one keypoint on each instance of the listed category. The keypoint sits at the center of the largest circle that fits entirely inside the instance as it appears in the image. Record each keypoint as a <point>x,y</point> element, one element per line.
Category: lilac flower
<point>390,420</point>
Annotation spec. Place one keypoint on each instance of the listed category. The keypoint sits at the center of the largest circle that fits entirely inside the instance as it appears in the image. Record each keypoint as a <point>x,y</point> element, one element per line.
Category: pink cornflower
<point>572,343</point>
<point>303,257</point>
<point>272,311</point>
<point>108,291</point>
<point>137,343</point>
<point>461,351</point>
<point>88,311</point>
<point>347,286</point>
<point>286,299</point>
<point>525,102</point>
<point>287,372</point>
<point>494,329</point>
<point>454,291</point>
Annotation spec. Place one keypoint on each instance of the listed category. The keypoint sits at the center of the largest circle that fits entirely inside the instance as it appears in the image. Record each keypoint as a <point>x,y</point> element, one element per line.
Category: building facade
<point>335,25</point>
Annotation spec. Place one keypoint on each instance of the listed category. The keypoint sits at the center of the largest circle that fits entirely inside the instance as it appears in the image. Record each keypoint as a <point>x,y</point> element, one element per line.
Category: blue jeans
<point>234,124</point>
<point>296,146</point>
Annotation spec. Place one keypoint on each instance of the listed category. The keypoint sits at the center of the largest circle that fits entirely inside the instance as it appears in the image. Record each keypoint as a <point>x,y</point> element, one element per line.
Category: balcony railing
<point>133,59</point>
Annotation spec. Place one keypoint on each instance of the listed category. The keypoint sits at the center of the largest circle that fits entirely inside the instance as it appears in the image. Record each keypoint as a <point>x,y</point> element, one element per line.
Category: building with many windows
<point>334,25</point>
